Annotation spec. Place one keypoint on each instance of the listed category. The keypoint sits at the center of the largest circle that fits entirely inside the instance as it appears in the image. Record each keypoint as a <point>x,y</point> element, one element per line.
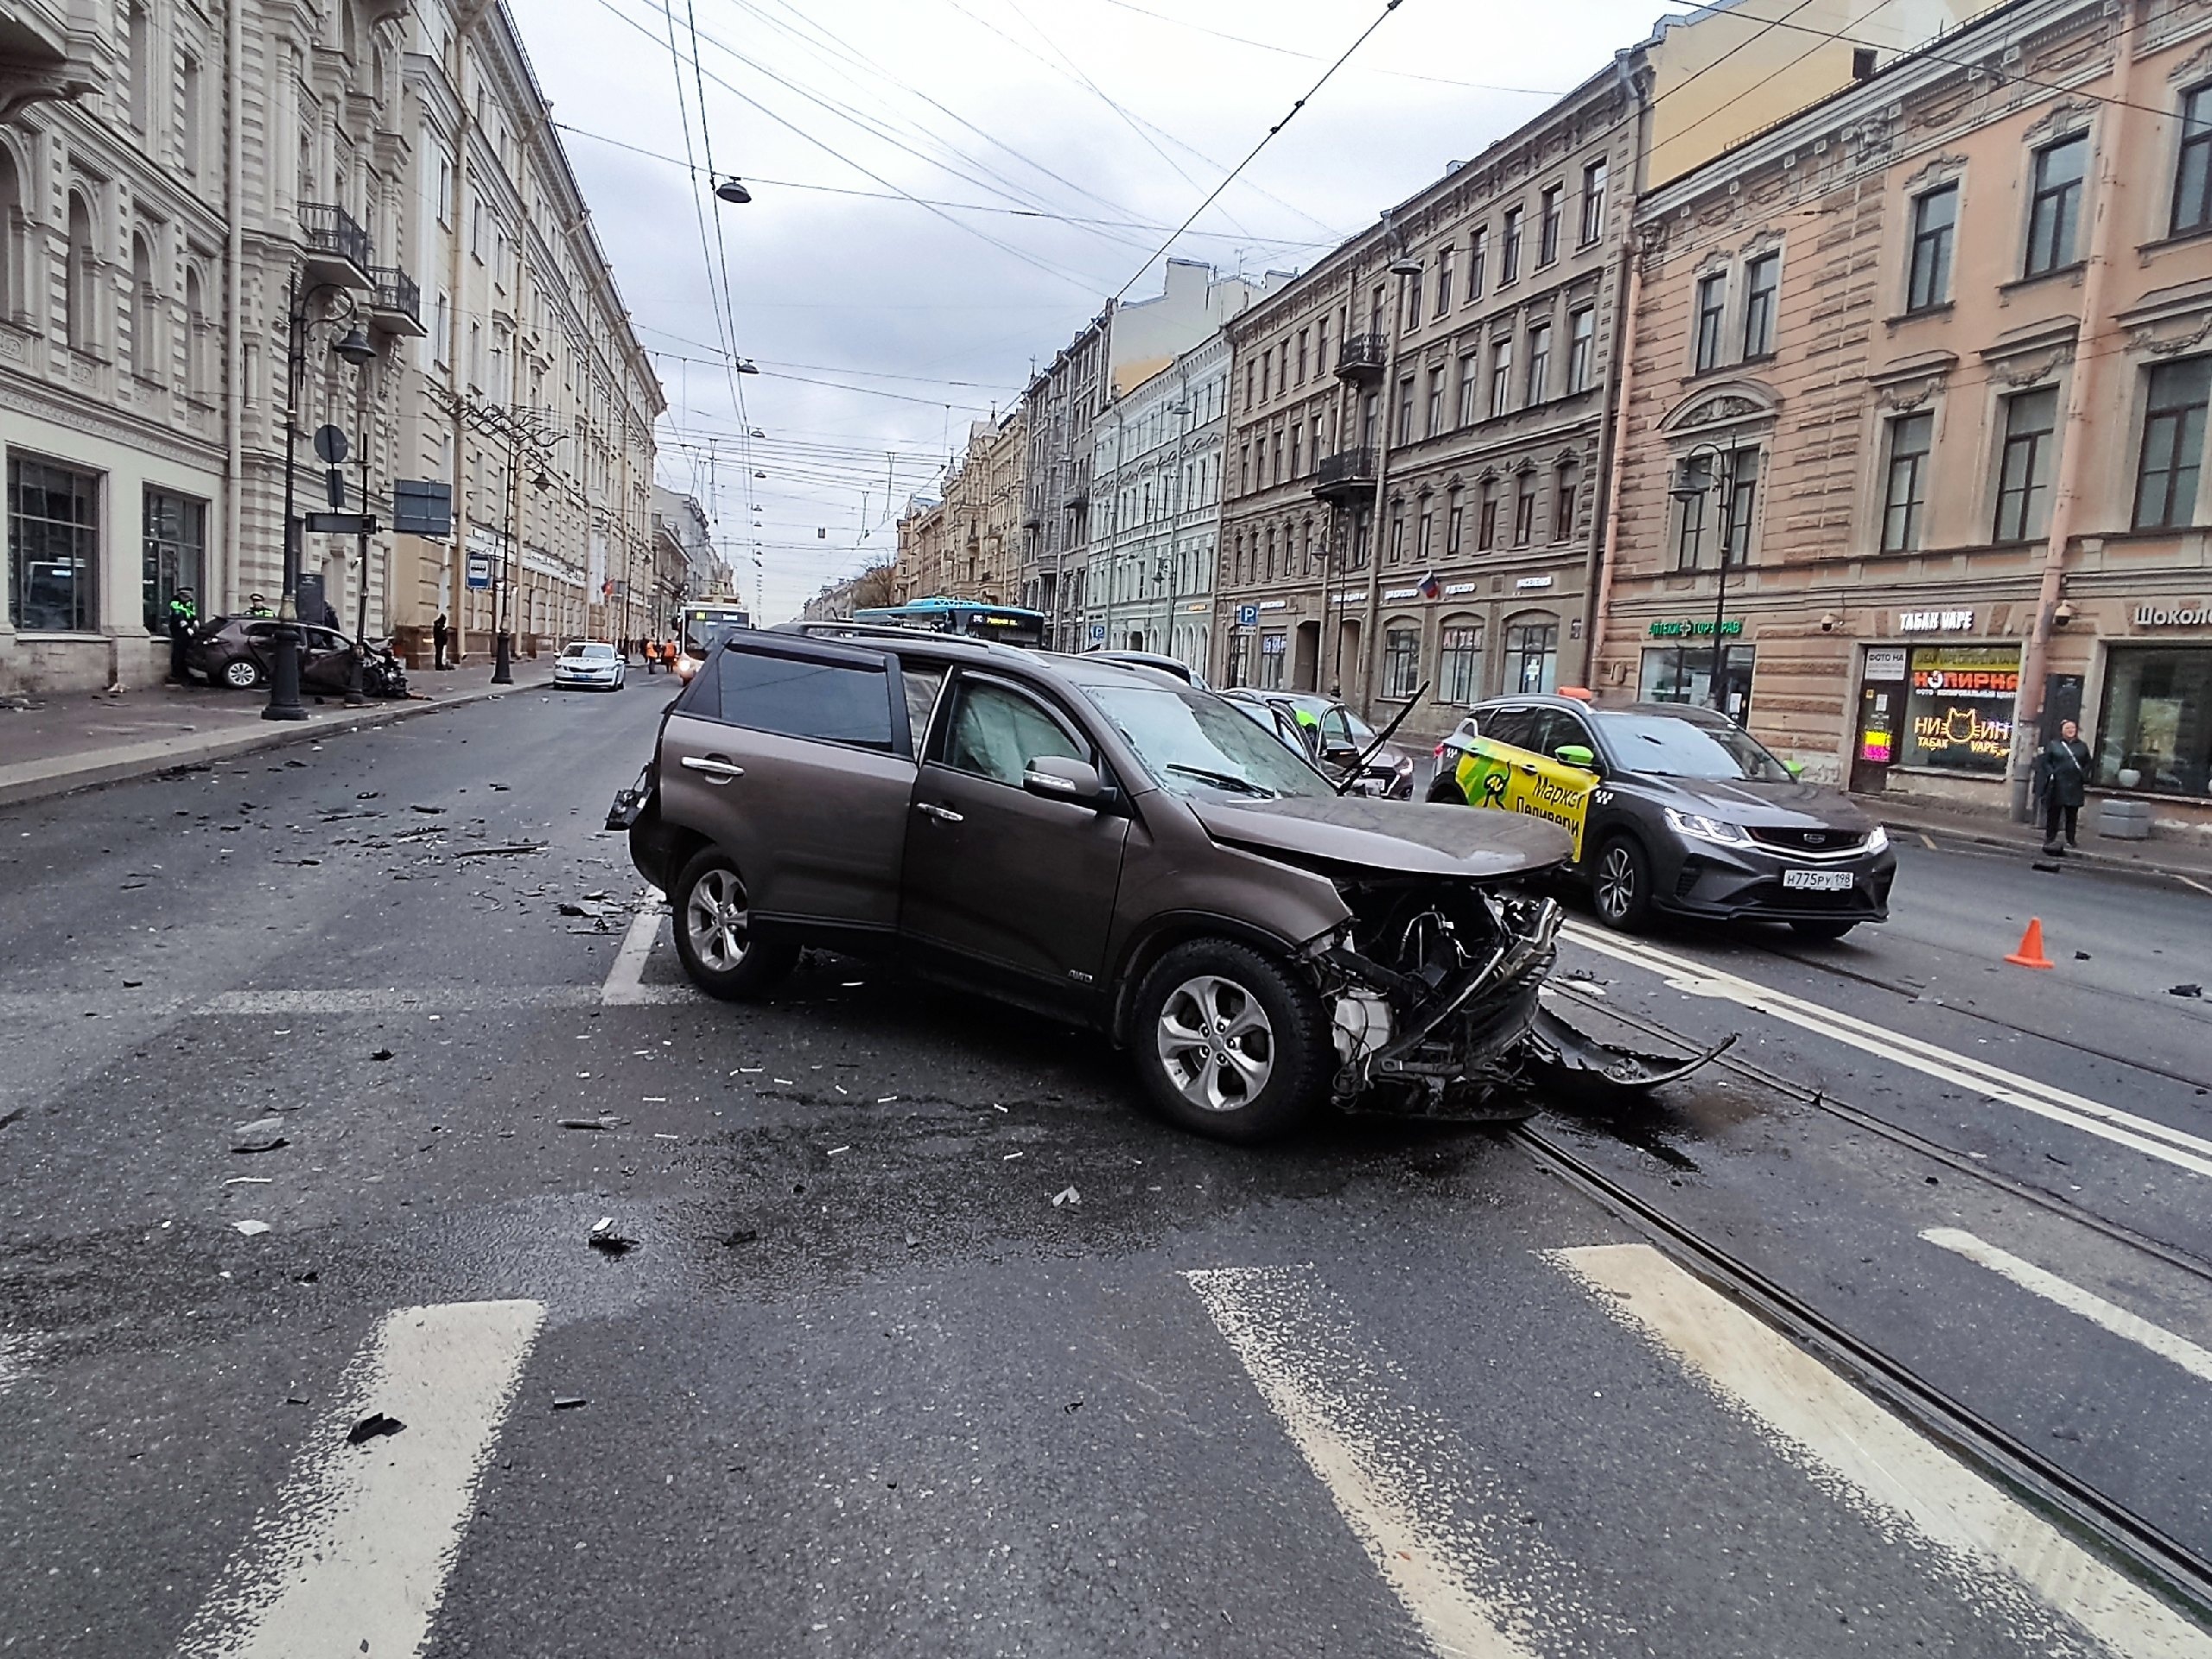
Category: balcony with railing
<point>396,307</point>
<point>1360,356</point>
<point>1345,474</point>
<point>337,248</point>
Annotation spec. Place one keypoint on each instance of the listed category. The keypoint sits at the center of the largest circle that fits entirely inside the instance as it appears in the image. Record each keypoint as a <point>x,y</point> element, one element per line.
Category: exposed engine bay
<point>1432,993</point>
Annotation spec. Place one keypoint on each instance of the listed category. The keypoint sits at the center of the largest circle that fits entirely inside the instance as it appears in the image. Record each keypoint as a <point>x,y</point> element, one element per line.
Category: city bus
<point>1008,623</point>
<point>704,627</point>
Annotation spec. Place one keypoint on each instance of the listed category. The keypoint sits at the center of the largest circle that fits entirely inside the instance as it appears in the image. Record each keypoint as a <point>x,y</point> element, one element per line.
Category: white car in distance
<point>589,662</point>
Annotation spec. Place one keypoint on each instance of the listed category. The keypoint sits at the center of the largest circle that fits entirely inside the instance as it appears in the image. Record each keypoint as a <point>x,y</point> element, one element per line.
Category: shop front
<point>1677,666</point>
<point>1937,712</point>
<point>2154,711</point>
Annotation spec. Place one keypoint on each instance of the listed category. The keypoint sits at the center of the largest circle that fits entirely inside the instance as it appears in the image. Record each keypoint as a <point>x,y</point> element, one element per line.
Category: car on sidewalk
<point>1673,809</point>
<point>1334,736</point>
<point>591,664</point>
<point>240,653</point>
<point>1106,845</point>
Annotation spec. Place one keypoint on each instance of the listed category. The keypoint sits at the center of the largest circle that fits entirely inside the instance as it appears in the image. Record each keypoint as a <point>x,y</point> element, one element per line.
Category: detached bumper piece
<point>1434,1001</point>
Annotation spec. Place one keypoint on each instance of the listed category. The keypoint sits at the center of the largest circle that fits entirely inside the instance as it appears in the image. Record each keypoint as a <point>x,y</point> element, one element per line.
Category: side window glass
<point>922,681</point>
<point>1507,726</point>
<point>1336,730</point>
<point>832,703</point>
<point>995,733</point>
<point>1548,729</point>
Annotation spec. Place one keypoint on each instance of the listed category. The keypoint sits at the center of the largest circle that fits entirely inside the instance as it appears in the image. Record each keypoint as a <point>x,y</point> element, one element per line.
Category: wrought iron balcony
<point>398,306</point>
<point>338,249</point>
<point>1362,356</point>
<point>1347,474</point>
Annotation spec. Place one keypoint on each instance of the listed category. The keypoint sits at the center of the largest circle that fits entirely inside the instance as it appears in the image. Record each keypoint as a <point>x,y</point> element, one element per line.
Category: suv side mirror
<point>1056,778</point>
<point>1577,754</point>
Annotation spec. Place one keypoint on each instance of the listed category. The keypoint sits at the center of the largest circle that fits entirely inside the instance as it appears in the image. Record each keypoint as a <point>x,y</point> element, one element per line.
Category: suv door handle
<point>942,814</point>
<point>717,770</point>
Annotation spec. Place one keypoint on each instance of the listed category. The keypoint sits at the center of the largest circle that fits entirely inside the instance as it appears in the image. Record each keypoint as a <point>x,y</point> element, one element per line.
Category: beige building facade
<point>1918,416</point>
<point>967,543</point>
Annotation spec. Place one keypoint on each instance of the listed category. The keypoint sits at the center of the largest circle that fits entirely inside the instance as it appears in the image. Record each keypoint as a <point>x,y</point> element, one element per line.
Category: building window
<point>1935,220</point>
<point>1398,533</point>
<point>1910,436</point>
<point>12,286</point>
<point>1443,280</point>
<point>1460,661</point>
<point>176,548</point>
<point>1486,521</point>
<point>188,139</point>
<point>1547,224</point>
<point>1401,662</point>
<point>1321,346</point>
<point>2193,170</point>
<point>1405,429</point>
<point>1501,376</point>
<point>1296,431</point>
<point>1477,256</point>
<point>2173,445</point>
<point>144,306</point>
<point>196,377</point>
<point>1267,361</point>
<point>1762,277</point>
<point>1581,347</point>
<point>1567,479</point>
<point>2055,213</point>
<point>1531,656</point>
<point>1435,400</point>
<point>1362,522</point>
<point>1712,305</point>
<point>1301,356</point>
<point>1594,202</point>
<point>1425,547</point>
<point>53,547</point>
<point>78,295</point>
<point>1524,511</point>
<point>1271,659</point>
<point>1470,388</point>
<point>2155,732</point>
<point>1454,522</point>
<point>1540,361</point>
<point>1509,262</point>
<point>141,70</point>
<point>1409,303</point>
<point>2023,473</point>
<point>1742,502</point>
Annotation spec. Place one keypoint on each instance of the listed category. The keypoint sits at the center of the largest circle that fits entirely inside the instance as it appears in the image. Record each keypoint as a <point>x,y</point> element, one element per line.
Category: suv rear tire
<point>714,936</point>
<point>1229,1043</point>
<point>1620,885</point>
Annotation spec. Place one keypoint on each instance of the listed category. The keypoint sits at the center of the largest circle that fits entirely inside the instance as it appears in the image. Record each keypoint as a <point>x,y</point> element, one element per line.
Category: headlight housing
<point>1698,827</point>
<point>1880,841</point>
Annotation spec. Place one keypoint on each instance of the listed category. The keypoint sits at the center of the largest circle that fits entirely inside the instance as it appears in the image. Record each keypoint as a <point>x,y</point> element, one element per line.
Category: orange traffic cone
<point>2030,954</point>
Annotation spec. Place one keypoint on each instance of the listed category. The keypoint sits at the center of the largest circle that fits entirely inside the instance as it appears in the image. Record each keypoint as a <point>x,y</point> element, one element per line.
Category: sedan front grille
<point>1815,843</point>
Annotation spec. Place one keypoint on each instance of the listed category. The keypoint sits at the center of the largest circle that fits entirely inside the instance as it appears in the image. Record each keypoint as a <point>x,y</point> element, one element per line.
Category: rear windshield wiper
<point>1228,780</point>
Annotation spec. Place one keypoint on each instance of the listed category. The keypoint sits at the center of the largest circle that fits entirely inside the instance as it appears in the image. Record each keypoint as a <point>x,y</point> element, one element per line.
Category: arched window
<point>195,336</point>
<point>12,286</point>
<point>78,288</point>
<point>144,355</point>
<point>1459,660</point>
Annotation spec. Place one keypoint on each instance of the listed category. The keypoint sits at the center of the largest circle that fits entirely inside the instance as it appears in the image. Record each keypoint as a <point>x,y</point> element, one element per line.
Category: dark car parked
<point>1675,809</point>
<point>1109,845</point>
<point>1335,737</point>
<point>240,651</point>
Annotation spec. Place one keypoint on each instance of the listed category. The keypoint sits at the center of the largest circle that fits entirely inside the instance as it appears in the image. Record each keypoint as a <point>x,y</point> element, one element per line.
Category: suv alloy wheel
<point>714,932</point>
<point>1229,1044</point>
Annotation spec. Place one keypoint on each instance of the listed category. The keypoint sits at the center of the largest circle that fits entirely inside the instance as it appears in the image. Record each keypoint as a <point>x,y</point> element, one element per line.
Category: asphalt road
<point>863,1386</point>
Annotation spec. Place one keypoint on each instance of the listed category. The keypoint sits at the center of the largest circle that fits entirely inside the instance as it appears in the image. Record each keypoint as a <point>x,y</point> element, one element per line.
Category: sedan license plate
<point>1818,881</point>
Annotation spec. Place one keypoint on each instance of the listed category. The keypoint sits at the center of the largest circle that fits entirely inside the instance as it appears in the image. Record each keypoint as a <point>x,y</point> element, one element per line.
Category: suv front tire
<point>1229,1043</point>
<point>715,937</point>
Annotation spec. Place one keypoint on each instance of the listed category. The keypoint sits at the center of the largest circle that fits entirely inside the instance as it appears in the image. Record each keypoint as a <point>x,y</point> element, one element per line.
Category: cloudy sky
<point>1052,144</point>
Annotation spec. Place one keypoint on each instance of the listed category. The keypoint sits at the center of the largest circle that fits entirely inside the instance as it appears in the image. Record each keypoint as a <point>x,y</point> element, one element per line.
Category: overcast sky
<point>881,326</point>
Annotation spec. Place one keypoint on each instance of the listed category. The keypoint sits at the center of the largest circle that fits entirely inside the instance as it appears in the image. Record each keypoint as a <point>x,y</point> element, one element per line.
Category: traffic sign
<point>1098,633</point>
<point>422,506</point>
<point>330,444</point>
<point>1247,616</point>
<point>479,569</point>
<point>339,523</point>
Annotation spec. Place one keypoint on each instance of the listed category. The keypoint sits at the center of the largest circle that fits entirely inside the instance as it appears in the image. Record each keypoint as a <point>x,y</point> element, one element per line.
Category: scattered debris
<point>15,1116</point>
<point>253,1180</point>
<point>2190,991</point>
<point>744,1235</point>
<point>2080,956</point>
<point>1072,1407</point>
<point>568,1402</point>
<point>132,984</point>
<point>498,786</point>
<point>295,1399</point>
<point>594,907</point>
<point>1584,977</point>
<point>500,852</point>
<point>587,1123</point>
<point>381,1054</point>
<point>265,1135</point>
<point>418,807</point>
<point>251,1228</point>
<point>1069,1197</point>
<point>603,1237</point>
<point>373,1426</point>
<point>367,794</point>
<point>1009,1157</point>
<point>885,1099</point>
<point>834,1151</point>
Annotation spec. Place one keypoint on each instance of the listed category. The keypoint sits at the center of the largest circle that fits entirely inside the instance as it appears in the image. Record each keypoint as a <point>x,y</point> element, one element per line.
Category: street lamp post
<point>1686,493</point>
<point>285,672</point>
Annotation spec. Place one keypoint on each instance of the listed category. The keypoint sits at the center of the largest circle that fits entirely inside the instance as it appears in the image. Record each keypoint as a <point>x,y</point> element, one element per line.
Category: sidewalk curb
<point>70,774</point>
<point>2101,863</point>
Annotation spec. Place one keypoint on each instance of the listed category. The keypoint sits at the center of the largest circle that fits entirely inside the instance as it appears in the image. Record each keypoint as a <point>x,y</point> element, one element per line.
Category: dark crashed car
<point>1106,844</point>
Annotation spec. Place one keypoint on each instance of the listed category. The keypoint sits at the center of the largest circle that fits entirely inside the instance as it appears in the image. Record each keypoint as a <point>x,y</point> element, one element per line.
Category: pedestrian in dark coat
<point>183,614</point>
<point>2061,778</point>
<point>440,634</point>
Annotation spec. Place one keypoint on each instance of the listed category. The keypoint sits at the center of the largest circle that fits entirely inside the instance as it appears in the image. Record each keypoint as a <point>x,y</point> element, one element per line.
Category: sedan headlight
<point>1880,841</point>
<point>1700,827</point>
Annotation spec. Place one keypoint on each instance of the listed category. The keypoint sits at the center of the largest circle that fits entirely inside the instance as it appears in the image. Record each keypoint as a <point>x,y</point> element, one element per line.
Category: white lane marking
<point>2196,1361</point>
<point>2191,882</point>
<point>2155,1139</point>
<point>442,999</point>
<point>355,1557</point>
<point>624,984</point>
<point>1339,1418</point>
<point>1884,1468</point>
<point>14,1358</point>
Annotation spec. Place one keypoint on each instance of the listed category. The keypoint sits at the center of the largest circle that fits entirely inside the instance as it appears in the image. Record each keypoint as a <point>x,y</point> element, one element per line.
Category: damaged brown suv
<point>1103,843</point>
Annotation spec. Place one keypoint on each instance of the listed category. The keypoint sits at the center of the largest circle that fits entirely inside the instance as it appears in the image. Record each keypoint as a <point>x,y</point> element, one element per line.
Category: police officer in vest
<point>184,615</point>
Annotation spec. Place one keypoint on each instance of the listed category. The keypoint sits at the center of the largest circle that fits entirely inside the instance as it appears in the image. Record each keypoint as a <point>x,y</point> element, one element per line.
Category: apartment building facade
<point>1918,415</point>
<point>182,194</point>
<point>1157,464</point>
<point>1417,428</point>
<point>966,544</point>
